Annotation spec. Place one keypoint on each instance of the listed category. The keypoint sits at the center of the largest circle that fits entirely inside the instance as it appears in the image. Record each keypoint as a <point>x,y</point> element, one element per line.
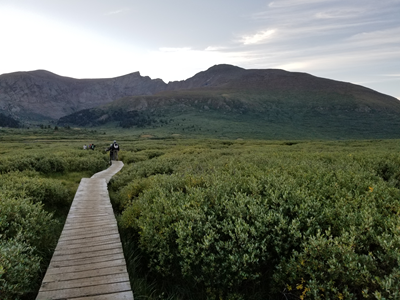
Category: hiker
<point>92,146</point>
<point>84,147</point>
<point>114,148</point>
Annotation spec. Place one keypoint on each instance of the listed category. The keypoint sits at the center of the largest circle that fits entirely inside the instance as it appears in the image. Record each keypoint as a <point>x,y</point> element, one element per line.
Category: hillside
<point>232,102</point>
<point>6,121</point>
<point>41,94</point>
<point>223,101</point>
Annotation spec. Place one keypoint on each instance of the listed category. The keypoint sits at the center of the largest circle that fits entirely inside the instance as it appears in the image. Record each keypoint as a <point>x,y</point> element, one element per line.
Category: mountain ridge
<point>44,94</point>
<point>272,97</point>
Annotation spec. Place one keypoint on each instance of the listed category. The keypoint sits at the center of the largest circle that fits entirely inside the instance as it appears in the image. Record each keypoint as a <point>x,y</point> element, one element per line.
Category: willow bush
<point>50,161</point>
<point>259,221</point>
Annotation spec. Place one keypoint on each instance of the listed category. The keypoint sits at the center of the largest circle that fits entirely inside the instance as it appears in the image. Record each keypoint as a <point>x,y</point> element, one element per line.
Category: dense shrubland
<point>218,219</point>
<point>32,211</point>
<point>259,220</point>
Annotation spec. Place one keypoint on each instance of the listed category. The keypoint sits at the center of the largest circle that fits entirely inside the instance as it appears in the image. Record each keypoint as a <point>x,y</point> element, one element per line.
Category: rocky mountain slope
<point>41,94</point>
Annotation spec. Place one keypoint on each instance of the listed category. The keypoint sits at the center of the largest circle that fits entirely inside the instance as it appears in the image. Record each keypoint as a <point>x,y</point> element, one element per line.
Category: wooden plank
<point>82,268</point>
<point>116,296</point>
<point>90,224</point>
<point>87,235</point>
<point>85,282</point>
<point>94,230</point>
<point>95,248</point>
<point>89,241</point>
<point>86,261</point>
<point>85,274</point>
<point>114,240</point>
<point>61,256</point>
<point>78,219</point>
<point>90,219</point>
<point>94,290</point>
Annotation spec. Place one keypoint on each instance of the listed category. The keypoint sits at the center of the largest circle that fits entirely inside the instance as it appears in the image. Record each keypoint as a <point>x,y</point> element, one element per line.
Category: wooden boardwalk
<point>88,262</point>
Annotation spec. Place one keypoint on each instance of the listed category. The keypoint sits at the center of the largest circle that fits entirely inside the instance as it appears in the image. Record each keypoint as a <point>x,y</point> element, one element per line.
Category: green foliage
<point>27,236</point>
<point>48,191</point>
<point>19,268</point>
<point>257,220</point>
<point>96,117</point>
<point>256,112</point>
<point>46,161</point>
<point>37,184</point>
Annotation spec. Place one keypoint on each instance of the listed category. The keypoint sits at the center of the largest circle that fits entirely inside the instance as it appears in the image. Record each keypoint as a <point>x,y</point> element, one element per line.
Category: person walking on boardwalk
<point>114,148</point>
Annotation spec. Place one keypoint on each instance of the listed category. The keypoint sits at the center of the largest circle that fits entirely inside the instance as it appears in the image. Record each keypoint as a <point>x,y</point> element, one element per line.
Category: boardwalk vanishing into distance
<point>88,262</point>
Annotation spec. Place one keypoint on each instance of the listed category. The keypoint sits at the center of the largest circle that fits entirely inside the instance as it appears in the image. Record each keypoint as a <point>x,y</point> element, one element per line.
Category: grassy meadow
<point>204,218</point>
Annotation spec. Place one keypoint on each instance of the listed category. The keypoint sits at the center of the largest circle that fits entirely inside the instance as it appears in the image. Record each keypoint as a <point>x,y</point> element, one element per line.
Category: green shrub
<point>239,224</point>
<point>19,269</point>
<point>28,234</point>
<point>50,192</point>
<point>47,161</point>
<point>27,221</point>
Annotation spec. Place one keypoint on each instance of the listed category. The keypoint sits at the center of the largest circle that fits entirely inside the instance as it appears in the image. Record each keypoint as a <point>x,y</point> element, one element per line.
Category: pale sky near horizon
<point>355,41</point>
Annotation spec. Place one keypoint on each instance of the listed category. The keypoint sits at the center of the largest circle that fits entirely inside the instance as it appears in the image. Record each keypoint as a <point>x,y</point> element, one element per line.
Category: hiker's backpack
<point>115,146</point>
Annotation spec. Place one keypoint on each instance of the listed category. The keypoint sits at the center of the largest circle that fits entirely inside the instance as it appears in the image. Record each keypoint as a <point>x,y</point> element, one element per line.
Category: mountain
<point>224,100</point>
<point>6,121</point>
<point>230,101</point>
<point>44,95</point>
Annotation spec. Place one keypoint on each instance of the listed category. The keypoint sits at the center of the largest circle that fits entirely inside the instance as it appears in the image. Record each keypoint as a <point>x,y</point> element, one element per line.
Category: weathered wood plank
<point>89,231</point>
<point>94,290</point>
<point>75,256</point>
<point>89,225</point>
<point>82,268</point>
<point>117,296</point>
<point>85,261</point>
<point>85,282</point>
<point>109,270</point>
<point>85,244</point>
<point>104,238</point>
<point>77,250</point>
<point>87,235</point>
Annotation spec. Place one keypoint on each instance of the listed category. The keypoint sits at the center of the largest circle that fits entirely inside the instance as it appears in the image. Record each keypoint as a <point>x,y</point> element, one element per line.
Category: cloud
<point>345,13</point>
<point>376,37</point>
<point>257,38</point>
<point>391,75</point>
<point>286,3</point>
<point>215,48</point>
<point>116,12</point>
<point>174,50</point>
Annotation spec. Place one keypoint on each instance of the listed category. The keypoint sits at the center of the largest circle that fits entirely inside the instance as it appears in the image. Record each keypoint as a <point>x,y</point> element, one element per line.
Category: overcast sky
<point>356,41</point>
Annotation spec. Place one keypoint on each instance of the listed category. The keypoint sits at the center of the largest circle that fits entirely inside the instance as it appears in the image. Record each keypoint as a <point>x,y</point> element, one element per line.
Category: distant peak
<point>39,72</point>
<point>224,68</point>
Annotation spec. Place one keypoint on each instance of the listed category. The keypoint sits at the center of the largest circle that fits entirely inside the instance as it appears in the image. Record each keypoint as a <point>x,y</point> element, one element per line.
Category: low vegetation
<point>253,113</point>
<point>37,186</point>
<point>262,220</point>
<point>213,219</point>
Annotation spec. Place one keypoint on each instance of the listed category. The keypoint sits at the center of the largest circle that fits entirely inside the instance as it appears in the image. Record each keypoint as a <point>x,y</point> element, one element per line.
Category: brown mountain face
<point>232,79</point>
<point>41,94</point>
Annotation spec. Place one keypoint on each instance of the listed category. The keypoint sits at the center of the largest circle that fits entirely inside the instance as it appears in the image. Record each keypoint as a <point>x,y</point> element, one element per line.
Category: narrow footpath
<point>88,262</point>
